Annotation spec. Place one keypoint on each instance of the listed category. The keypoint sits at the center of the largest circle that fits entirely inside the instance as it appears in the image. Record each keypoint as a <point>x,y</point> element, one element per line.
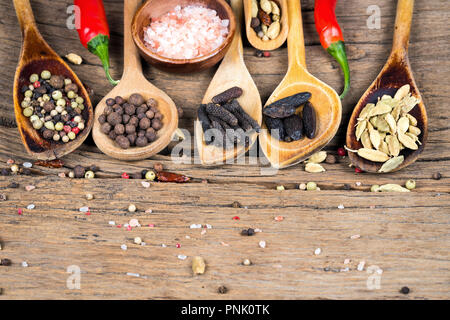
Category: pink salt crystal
<point>129,228</point>
<point>134,223</point>
<point>29,188</point>
<point>151,225</point>
<point>19,211</point>
<point>186,33</point>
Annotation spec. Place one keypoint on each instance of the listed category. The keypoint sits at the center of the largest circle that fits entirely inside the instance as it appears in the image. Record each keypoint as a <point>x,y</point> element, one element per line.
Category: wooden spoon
<point>133,81</point>
<point>325,100</point>
<point>231,72</point>
<point>395,73</point>
<point>256,41</point>
<point>36,56</point>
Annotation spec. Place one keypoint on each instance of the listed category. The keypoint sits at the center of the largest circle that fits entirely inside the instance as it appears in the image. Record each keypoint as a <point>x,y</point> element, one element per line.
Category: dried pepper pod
<point>227,95</point>
<point>219,133</point>
<point>294,127</point>
<point>221,113</point>
<point>237,110</point>
<point>286,107</point>
<point>203,117</point>
<point>164,176</point>
<point>309,120</point>
<point>275,124</point>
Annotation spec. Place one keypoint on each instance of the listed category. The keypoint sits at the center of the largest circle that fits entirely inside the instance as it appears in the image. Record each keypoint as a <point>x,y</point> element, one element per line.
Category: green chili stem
<point>337,50</point>
<point>99,46</point>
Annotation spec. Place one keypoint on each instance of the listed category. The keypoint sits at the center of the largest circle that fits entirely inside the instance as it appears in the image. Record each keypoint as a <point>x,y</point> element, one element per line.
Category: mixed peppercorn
<point>53,105</point>
<point>131,123</point>
<point>266,19</point>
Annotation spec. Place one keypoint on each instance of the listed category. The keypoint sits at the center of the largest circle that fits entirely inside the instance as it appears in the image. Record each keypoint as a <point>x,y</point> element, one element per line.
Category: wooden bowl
<point>156,8</point>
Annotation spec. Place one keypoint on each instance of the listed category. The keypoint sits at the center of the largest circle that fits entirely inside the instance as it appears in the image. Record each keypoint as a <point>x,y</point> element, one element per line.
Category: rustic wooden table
<point>407,236</point>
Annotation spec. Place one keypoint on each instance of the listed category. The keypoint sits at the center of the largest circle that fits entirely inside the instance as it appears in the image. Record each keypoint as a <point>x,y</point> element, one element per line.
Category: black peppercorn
<point>79,171</point>
<point>110,102</point>
<point>5,262</point>
<point>5,172</point>
<point>222,290</point>
<point>437,176</point>
<point>404,290</point>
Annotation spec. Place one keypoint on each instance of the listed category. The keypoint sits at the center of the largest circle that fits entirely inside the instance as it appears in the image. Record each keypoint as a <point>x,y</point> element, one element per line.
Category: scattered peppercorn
<point>125,176</point>
<point>310,186</point>
<point>89,175</point>
<point>222,290</point>
<point>2,197</point>
<point>266,54</point>
<point>246,262</point>
<point>410,184</point>
<point>13,185</point>
<point>330,159</point>
<point>341,152</point>
<point>437,176</point>
<point>5,262</point>
<point>236,204</point>
<point>248,232</point>
<point>158,167</point>
<point>131,208</point>
<point>150,175</point>
<point>5,172</point>
<point>347,186</point>
<point>259,53</point>
<point>79,171</point>
<point>358,170</point>
<point>404,290</point>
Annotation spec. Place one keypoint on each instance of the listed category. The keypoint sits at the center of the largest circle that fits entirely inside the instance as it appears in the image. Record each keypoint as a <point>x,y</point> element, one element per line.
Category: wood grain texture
<point>406,235</point>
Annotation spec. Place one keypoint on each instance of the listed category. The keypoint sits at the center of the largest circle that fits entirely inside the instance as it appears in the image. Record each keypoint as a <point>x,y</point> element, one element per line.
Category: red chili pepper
<point>331,36</point>
<point>171,177</point>
<point>94,31</point>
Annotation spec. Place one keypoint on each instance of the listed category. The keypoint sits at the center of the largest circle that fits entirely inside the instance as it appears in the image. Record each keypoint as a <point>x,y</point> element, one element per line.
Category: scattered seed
<point>404,290</point>
<point>236,218</point>
<point>302,186</point>
<point>222,290</point>
<point>195,226</point>
<point>131,274</point>
<point>331,159</point>
<point>112,223</point>
<point>89,196</point>
<point>19,211</point>
<point>346,261</point>
<point>360,266</point>
<point>392,187</point>
<point>311,186</point>
<point>27,164</point>
<point>317,251</point>
<point>375,188</point>
<point>74,58</point>
<point>3,197</point>
<point>5,262</point>
<point>137,240</point>
<point>178,245</point>
<point>132,208</point>
<point>246,262</point>
<point>14,168</point>
<point>280,188</point>
<point>198,265</point>
<point>314,167</point>
<point>248,232</point>
<point>437,176</point>
<point>410,184</point>
<point>148,211</point>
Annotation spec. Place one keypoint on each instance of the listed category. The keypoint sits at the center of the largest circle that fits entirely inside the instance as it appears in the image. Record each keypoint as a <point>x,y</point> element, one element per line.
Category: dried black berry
<point>404,290</point>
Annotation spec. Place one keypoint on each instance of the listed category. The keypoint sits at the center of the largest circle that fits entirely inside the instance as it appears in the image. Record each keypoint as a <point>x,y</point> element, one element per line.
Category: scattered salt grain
<point>84,209</point>
<point>345,269</point>
<point>262,244</point>
<point>27,164</point>
<point>279,218</point>
<point>131,274</point>
<point>29,188</point>
<point>134,223</point>
<point>346,261</point>
<point>355,236</point>
<point>182,257</point>
<point>145,184</point>
<point>380,271</point>
<point>188,237</point>
<point>124,247</point>
<point>195,226</point>
<point>24,264</point>
<point>224,244</point>
<point>163,245</point>
<point>112,223</point>
<point>341,206</point>
<point>317,251</point>
<point>257,230</point>
<point>31,206</point>
<point>208,226</point>
<point>61,175</point>
<point>186,33</point>
<point>203,232</point>
<point>361,265</point>
<point>358,183</point>
<point>148,211</point>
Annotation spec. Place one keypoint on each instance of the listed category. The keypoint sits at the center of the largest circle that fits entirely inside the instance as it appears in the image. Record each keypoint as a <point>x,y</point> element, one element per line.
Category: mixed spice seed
<point>387,128</point>
<point>53,106</point>
<point>224,122</point>
<point>265,21</point>
<point>133,122</point>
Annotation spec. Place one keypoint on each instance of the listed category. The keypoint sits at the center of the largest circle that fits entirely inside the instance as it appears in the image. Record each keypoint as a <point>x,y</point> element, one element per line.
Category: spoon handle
<point>296,43</point>
<point>132,61</point>
<point>236,50</point>
<point>402,26</point>
<point>24,15</point>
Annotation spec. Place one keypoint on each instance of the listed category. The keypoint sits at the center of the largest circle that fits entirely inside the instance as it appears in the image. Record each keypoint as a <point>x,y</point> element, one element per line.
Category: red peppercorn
<point>36,84</point>
<point>151,225</point>
<point>236,218</point>
<point>129,228</point>
<point>19,211</point>
<point>178,245</point>
<point>266,54</point>
<point>88,213</point>
<point>76,130</point>
<point>67,129</point>
<point>358,170</point>
<point>125,176</point>
<point>341,152</point>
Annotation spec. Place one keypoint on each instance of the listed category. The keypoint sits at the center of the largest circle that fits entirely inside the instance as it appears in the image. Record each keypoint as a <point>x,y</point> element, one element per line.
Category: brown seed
<point>126,118</point>
<point>48,134</point>
<point>48,106</point>
<point>123,142</point>
<point>236,204</point>
<point>71,87</point>
<point>119,100</point>
<point>112,135</point>
<point>108,110</point>
<point>132,138</point>
<point>110,102</point>
<point>141,133</point>
<point>158,115</point>
<point>136,99</point>
<point>141,141</point>
<point>114,118</point>
<point>150,134</point>
<point>152,103</point>
<point>264,18</point>
<point>437,176</point>
<point>156,124</point>
<point>134,121</point>
<point>144,123</point>
<point>150,114</point>
<point>102,119</point>
<point>106,128</point>
<point>129,109</point>
<point>56,81</point>
<point>331,159</point>
<point>142,109</point>
<point>255,22</point>
<point>222,290</point>
<point>119,129</point>
<point>79,171</point>
<point>130,129</point>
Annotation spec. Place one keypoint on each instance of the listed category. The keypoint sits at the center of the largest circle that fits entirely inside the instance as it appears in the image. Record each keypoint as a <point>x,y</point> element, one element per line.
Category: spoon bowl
<point>395,73</point>
<point>256,41</point>
<point>133,81</point>
<point>232,72</point>
<point>325,100</point>
<point>36,56</point>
